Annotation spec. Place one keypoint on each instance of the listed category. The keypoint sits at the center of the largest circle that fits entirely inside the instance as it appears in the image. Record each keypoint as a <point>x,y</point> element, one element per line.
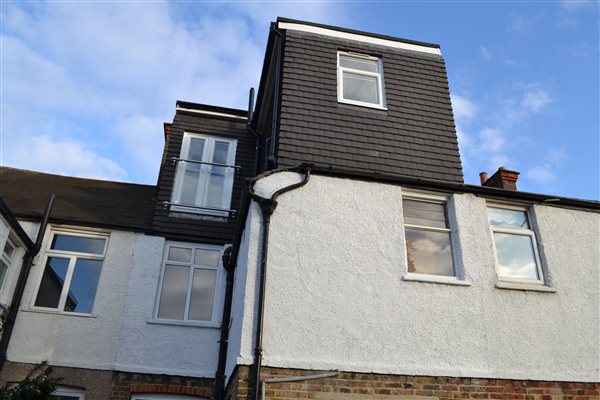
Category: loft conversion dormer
<point>355,102</point>
<point>208,154</point>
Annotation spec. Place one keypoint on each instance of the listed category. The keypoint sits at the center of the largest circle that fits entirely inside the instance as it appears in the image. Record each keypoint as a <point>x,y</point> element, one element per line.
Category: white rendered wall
<point>147,345</point>
<point>336,298</point>
<point>120,333</point>
<point>69,340</point>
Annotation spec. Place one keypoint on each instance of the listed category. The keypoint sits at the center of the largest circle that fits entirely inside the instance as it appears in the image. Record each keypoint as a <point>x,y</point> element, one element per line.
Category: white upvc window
<point>71,272</point>
<point>360,80</point>
<point>428,236</point>
<point>517,257</point>
<point>8,249</point>
<point>189,281</point>
<point>66,393</point>
<point>204,176</point>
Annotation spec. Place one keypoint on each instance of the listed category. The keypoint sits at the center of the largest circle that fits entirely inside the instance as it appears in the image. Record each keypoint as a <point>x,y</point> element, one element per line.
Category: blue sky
<point>86,86</point>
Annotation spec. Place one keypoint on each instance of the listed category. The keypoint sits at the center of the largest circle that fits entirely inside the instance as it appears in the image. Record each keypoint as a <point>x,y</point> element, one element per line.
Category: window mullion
<point>188,296</point>
<point>67,283</point>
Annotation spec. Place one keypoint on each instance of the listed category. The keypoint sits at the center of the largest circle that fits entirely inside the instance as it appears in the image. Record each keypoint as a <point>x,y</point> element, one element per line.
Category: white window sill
<point>359,104</point>
<point>445,280</point>
<point>198,324</point>
<point>525,286</point>
<point>56,312</point>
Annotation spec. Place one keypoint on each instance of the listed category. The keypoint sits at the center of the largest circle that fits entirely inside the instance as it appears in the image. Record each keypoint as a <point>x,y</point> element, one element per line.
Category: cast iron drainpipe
<point>267,207</point>
<point>294,379</point>
<point>22,280</point>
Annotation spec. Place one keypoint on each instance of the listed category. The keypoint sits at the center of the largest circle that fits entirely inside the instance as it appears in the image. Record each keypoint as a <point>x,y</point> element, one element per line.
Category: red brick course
<point>442,388</point>
<point>124,384</point>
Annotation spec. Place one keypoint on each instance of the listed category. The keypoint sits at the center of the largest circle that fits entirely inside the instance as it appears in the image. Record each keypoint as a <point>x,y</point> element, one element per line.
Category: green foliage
<point>4,319</point>
<point>37,385</point>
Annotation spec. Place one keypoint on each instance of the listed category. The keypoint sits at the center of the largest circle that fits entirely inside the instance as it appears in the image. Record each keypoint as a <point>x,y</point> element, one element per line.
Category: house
<point>321,245</point>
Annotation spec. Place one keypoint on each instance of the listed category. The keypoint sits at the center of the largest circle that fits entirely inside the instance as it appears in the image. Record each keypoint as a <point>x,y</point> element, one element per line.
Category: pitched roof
<point>78,201</point>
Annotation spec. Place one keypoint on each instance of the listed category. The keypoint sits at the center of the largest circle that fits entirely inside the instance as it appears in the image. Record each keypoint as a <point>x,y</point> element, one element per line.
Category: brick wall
<point>351,386</point>
<point>125,383</point>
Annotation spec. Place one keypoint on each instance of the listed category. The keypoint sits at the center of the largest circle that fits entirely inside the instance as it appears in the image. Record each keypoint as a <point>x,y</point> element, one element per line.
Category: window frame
<point>378,75</point>
<point>213,322</point>
<point>72,256</point>
<point>207,153</point>
<point>457,278</point>
<point>5,259</point>
<point>541,281</point>
<point>67,391</point>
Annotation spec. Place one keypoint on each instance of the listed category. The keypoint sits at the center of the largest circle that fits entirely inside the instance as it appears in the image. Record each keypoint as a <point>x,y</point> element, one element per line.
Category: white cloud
<point>574,5</point>
<point>541,174</point>
<point>492,139</point>
<point>464,109</point>
<point>536,100</point>
<point>41,153</point>
<point>485,53</point>
<point>109,74</point>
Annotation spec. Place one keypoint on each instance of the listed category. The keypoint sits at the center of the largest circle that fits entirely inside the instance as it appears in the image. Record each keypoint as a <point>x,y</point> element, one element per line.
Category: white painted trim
<point>202,189</point>
<point>212,113</point>
<point>358,38</point>
<point>216,294</point>
<point>526,287</point>
<point>506,281</point>
<point>192,323</point>
<point>70,392</point>
<point>381,105</point>
<point>447,280</point>
<point>72,257</point>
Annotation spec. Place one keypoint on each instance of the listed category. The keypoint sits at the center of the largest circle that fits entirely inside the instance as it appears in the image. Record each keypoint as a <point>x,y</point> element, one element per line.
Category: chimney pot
<point>483,177</point>
<point>503,179</point>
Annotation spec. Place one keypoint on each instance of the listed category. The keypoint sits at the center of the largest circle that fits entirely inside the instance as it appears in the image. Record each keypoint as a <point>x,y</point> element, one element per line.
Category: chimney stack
<point>503,179</point>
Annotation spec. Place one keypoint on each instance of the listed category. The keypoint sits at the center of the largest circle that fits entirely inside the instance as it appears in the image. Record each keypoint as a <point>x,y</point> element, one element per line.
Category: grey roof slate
<point>415,136</point>
<point>79,201</point>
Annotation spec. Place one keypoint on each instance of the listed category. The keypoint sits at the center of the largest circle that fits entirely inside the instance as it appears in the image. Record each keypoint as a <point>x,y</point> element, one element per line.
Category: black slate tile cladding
<point>86,202</point>
<point>210,231</point>
<point>415,137</point>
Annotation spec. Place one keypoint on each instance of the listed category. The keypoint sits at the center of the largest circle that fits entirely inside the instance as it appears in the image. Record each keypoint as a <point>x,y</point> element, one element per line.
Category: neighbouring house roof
<point>78,201</point>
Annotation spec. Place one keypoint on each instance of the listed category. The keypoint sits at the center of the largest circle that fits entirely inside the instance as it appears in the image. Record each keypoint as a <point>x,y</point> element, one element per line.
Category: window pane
<point>516,258</point>
<point>359,63</point>
<point>179,254</point>
<point>3,269</point>
<point>174,292</point>
<point>53,280</point>
<point>82,289</point>
<point>8,249</point>
<point>207,257</point>
<point>360,88</point>
<point>203,291</point>
<point>196,149</point>
<point>429,252</point>
<point>424,214</point>
<point>221,150</point>
<point>216,186</point>
<point>189,186</point>
<point>78,244</point>
<point>508,218</point>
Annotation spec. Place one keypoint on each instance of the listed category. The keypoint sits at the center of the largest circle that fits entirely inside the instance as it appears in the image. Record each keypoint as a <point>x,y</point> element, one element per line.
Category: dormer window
<point>360,80</point>
<point>204,176</point>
